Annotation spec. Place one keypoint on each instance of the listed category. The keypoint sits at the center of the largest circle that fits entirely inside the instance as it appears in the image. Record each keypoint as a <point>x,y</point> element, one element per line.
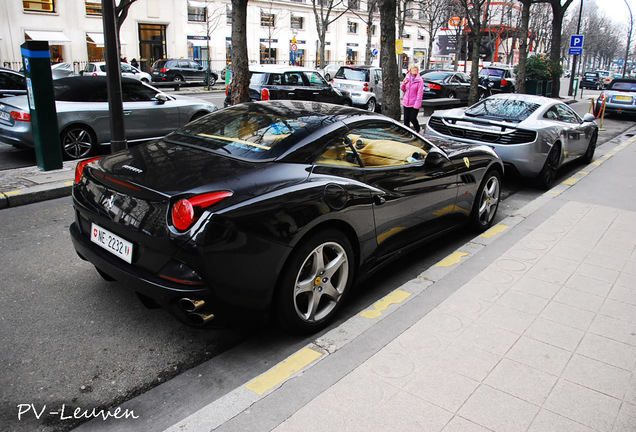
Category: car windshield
<point>624,86</point>
<point>353,74</point>
<point>503,109</point>
<point>251,131</point>
<point>435,75</point>
<point>491,72</point>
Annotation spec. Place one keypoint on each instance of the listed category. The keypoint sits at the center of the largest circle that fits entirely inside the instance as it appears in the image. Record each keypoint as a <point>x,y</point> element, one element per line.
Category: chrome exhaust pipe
<point>191,305</point>
<point>200,318</point>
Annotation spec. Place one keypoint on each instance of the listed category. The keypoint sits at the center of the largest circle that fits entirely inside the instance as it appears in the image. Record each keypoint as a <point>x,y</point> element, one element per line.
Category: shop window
<point>39,5</point>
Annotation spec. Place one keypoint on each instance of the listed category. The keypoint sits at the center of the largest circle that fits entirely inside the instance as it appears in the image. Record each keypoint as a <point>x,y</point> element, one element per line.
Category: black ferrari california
<point>273,208</point>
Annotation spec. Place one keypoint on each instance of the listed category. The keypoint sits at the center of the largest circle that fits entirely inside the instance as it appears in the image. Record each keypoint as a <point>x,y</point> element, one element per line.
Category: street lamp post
<point>629,37</point>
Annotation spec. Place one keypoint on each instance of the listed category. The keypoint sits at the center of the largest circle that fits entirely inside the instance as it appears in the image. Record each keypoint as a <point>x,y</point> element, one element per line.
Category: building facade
<point>277,31</point>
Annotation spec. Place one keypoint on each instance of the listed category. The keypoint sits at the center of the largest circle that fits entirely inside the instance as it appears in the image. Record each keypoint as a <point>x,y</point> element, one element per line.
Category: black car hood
<point>167,169</point>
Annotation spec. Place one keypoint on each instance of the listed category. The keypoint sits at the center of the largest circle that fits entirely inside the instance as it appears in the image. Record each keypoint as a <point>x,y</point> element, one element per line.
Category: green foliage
<point>541,68</point>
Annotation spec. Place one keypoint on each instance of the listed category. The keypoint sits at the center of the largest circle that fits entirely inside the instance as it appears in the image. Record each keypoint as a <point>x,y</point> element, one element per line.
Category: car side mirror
<point>161,98</point>
<point>434,160</point>
<point>589,117</point>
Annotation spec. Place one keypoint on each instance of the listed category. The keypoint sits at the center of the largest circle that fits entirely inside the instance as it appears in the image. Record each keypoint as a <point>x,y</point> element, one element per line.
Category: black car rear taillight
<point>186,212</point>
<point>79,168</point>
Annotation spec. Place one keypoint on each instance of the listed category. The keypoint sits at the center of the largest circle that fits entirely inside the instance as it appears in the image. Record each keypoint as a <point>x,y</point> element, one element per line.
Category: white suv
<point>363,82</point>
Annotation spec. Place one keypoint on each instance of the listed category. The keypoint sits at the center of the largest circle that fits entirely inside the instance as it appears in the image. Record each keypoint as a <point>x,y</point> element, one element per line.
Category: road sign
<point>576,41</point>
<point>375,52</point>
<point>294,47</point>
<point>399,46</point>
<point>575,51</point>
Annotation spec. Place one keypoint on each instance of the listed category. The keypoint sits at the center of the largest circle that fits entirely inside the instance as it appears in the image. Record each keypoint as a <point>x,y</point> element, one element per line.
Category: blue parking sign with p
<point>576,41</point>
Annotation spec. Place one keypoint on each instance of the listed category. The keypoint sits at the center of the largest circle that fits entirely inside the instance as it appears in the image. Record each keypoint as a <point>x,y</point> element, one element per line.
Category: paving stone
<point>523,302</point>
<point>556,334</point>
<point>539,355</point>
<point>616,329</point>
<point>568,315</point>
<point>547,421</point>
<point>524,382</point>
<point>446,389</point>
<point>579,299</point>
<point>608,351</point>
<point>598,376</point>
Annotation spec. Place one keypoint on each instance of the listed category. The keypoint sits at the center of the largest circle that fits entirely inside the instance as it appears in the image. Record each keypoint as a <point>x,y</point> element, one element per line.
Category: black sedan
<point>447,84</point>
<point>273,207</point>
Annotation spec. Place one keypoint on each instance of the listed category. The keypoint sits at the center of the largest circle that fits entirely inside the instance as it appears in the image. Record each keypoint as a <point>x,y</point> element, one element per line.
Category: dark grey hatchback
<point>272,82</point>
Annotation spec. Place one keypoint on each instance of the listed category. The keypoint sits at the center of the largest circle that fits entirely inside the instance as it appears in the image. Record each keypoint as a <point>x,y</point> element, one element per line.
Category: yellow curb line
<point>571,181</point>
<point>397,296</point>
<point>283,370</point>
<point>15,192</point>
<point>452,259</point>
<point>497,229</point>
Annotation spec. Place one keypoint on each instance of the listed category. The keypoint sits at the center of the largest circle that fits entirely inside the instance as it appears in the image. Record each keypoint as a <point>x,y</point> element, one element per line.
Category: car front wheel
<point>371,105</point>
<point>77,142</point>
<point>314,282</point>
<point>588,157</point>
<point>487,201</point>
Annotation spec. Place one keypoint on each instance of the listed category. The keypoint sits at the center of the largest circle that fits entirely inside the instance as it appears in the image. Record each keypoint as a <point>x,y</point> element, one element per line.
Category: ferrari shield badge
<point>467,162</point>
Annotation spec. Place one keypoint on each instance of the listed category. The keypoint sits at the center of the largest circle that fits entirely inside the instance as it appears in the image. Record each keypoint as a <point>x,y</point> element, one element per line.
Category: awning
<point>53,37</point>
<point>98,39</point>
<point>199,42</point>
<point>197,4</point>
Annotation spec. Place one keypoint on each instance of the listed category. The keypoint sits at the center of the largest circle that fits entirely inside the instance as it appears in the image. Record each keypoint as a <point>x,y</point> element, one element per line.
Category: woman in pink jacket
<point>413,88</point>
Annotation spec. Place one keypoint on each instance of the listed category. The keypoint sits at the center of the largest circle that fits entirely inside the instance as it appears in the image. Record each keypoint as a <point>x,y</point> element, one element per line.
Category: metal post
<point>113,72</point>
<point>575,58</point>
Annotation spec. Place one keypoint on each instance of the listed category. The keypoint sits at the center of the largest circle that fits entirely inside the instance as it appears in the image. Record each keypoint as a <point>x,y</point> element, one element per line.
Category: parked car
<point>591,80</point>
<point>499,79</point>
<point>180,70</point>
<point>533,134</point>
<point>330,71</point>
<point>363,82</point>
<point>308,196</point>
<point>12,83</point>
<point>606,77</point>
<point>62,70</point>
<point>273,82</point>
<point>83,114</point>
<point>128,71</point>
<point>446,84</point>
<point>618,98</point>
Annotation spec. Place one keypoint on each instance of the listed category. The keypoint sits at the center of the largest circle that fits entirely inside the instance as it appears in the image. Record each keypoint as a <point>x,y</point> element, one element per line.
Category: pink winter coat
<point>413,88</point>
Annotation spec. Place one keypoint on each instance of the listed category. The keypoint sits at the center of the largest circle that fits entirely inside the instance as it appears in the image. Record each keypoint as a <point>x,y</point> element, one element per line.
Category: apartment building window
<point>352,27</point>
<point>196,12</point>
<point>406,36</point>
<point>297,22</point>
<point>39,5</point>
<point>93,7</point>
<point>354,4</point>
<point>372,29</point>
<point>228,15</point>
<point>268,19</point>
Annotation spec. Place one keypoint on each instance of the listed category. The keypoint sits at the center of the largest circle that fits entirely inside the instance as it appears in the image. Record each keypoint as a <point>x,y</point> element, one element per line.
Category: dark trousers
<point>410,117</point>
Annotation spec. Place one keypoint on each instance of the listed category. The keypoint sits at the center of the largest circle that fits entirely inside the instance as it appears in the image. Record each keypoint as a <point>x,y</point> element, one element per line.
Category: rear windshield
<point>353,74</point>
<point>622,85</point>
<point>159,64</point>
<point>590,75</point>
<point>435,75</point>
<point>503,109</point>
<point>258,78</point>
<point>491,72</point>
<point>249,131</point>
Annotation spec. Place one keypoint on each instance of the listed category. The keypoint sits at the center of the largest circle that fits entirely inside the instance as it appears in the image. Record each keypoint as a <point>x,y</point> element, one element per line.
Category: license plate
<point>479,126</point>
<point>112,243</point>
<point>623,98</point>
<point>4,115</point>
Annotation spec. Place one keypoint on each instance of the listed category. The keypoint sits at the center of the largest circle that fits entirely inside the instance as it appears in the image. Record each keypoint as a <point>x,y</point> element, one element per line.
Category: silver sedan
<point>533,134</point>
<point>83,114</point>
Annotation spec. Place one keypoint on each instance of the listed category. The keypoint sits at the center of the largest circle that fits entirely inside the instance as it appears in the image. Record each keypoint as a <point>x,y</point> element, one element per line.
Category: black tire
<point>178,79</point>
<point>371,105</point>
<point>328,77</point>
<point>77,142</point>
<point>486,201</point>
<point>212,80</point>
<point>546,177</point>
<point>452,95</point>
<point>144,80</point>
<point>321,270</point>
<point>588,157</point>
<point>347,102</point>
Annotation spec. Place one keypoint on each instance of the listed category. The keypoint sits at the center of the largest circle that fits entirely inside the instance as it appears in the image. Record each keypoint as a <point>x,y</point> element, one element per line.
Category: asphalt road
<point>71,338</point>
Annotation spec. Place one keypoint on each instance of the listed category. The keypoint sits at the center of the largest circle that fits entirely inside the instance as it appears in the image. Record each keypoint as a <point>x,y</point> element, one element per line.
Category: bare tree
<point>369,20</point>
<point>240,63</point>
<point>323,10</point>
<point>390,82</point>
<point>213,12</point>
<point>477,16</point>
<point>272,27</point>
<point>435,15</point>
<point>121,13</point>
<point>558,12</point>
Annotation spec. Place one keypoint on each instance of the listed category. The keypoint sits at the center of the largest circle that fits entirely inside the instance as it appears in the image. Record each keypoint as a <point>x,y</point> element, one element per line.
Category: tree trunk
<point>473,96</point>
<point>555,47</point>
<point>240,64</point>
<point>391,85</point>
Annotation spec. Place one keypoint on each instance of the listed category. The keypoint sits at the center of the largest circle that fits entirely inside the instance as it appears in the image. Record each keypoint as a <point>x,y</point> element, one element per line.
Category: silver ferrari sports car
<point>532,134</point>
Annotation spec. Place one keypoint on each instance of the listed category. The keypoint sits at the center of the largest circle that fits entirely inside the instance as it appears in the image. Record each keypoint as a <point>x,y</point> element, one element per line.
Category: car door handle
<point>316,93</point>
<point>127,112</point>
<point>379,200</point>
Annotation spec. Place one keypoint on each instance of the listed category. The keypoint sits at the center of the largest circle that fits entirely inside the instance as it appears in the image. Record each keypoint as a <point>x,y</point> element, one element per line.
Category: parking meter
<point>37,69</point>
